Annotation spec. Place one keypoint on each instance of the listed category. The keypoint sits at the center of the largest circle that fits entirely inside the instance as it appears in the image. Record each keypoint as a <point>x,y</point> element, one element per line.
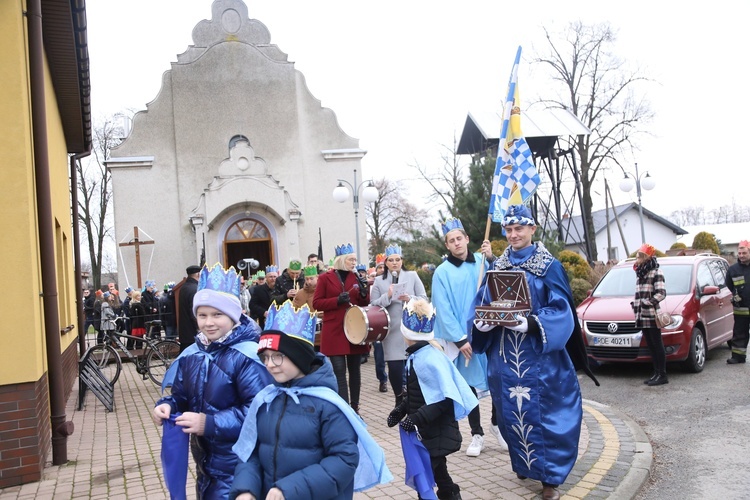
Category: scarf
<point>643,270</point>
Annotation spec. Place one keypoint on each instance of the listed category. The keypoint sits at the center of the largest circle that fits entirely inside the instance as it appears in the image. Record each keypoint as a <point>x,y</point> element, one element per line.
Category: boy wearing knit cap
<point>437,396</point>
<point>214,380</point>
<point>300,440</point>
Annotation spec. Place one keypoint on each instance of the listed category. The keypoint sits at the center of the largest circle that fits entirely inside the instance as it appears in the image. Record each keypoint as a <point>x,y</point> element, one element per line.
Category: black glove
<point>408,425</point>
<point>395,416</point>
<point>343,298</point>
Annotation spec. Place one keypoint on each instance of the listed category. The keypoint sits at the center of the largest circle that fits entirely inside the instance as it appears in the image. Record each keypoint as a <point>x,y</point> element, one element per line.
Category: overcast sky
<point>402,75</point>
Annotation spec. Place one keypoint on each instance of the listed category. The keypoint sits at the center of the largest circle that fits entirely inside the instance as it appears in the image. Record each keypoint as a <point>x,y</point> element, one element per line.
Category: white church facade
<point>233,159</point>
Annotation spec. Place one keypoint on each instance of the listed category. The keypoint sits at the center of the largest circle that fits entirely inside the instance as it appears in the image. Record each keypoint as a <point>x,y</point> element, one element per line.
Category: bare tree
<point>447,182</point>
<point>95,195</point>
<point>391,215</point>
<point>602,92</point>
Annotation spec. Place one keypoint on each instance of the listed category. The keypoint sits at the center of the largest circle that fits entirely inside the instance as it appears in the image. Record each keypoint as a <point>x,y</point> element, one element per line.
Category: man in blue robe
<point>454,287</point>
<point>531,375</point>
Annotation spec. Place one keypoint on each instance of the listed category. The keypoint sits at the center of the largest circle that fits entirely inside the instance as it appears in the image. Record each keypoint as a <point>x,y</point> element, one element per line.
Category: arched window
<point>247,229</point>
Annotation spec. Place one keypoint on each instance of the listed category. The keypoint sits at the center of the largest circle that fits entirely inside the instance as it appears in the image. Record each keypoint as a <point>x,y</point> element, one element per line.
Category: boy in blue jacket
<point>214,380</point>
<point>301,440</point>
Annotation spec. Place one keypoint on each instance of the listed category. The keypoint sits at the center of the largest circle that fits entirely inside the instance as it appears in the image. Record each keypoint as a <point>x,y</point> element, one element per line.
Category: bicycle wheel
<point>160,358</point>
<point>108,361</point>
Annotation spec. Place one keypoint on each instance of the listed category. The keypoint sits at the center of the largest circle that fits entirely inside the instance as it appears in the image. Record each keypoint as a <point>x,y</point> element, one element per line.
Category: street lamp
<point>369,194</point>
<point>644,181</point>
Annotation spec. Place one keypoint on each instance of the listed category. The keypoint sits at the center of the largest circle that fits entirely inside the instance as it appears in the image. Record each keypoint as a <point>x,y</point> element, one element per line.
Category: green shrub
<point>705,241</point>
<point>677,245</point>
<point>575,265</point>
<point>580,288</point>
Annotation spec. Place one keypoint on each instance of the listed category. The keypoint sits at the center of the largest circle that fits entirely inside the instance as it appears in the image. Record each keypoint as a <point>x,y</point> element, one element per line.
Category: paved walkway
<point>116,455</point>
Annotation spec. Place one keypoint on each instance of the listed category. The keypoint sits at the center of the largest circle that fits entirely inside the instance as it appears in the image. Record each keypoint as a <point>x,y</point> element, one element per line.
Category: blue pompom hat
<point>450,224</point>
<point>346,249</point>
<point>518,214</point>
<point>415,325</point>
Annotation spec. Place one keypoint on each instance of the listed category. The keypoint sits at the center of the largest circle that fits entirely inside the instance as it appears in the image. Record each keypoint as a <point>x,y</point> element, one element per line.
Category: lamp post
<point>644,181</point>
<point>369,194</point>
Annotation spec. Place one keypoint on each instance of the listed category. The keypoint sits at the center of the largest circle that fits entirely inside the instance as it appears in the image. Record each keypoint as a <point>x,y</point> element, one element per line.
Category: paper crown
<point>450,224</point>
<point>647,249</point>
<point>272,269</point>
<point>379,259</point>
<point>295,265</point>
<point>744,244</point>
<point>294,322</point>
<point>418,317</point>
<point>344,249</point>
<point>518,214</point>
<point>361,267</point>
<point>392,250</point>
<point>260,274</point>
<point>150,283</point>
<point>129,289</point>
<point>219,280</point>
<point>311,271</point>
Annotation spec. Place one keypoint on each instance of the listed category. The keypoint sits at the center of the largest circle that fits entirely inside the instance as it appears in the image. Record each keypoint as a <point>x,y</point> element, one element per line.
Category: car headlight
<point>580,322</point>
<point>676,322</point>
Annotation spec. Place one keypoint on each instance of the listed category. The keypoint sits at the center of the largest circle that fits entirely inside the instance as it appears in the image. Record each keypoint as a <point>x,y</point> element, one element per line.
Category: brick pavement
<point>116,455</point>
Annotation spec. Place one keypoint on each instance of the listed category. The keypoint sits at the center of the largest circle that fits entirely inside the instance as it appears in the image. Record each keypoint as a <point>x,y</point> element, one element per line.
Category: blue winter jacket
<point>221,385</point>
<point>307,450</point>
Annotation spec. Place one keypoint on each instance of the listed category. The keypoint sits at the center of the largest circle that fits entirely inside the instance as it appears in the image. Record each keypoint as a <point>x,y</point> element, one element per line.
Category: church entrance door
<point>245,239</point>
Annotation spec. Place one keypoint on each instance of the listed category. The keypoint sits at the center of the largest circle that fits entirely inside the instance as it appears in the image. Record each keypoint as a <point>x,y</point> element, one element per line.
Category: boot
<point>452,494</point>
<point>661,379</point>
<point>735,360</point>
<point>652,378</point>
<point>399,399</point>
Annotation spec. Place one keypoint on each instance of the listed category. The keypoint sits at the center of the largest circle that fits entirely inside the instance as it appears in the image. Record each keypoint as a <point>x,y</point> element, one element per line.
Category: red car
<point>697,299</point>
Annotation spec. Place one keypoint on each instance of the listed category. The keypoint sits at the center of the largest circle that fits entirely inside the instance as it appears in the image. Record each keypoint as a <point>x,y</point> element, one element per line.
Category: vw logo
<point>612,328</point>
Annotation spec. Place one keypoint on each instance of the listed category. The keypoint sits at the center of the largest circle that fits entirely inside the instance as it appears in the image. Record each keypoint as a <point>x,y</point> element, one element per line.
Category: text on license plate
<point>613,341</point>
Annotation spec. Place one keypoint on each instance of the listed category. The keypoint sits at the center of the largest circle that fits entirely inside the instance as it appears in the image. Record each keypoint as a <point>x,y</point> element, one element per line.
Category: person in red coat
<point>337,290</point>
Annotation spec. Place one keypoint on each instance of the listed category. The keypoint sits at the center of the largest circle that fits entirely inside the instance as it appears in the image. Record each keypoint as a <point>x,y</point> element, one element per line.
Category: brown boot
<point>550,492</point>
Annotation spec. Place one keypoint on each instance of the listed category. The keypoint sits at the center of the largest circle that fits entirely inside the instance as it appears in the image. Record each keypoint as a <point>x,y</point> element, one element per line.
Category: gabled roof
<point>572,227</point>
<point>541,128</point>
<point>66,47</point>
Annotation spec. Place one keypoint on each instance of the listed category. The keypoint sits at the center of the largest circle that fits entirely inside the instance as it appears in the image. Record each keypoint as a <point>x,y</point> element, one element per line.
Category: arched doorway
<point>248,238</point>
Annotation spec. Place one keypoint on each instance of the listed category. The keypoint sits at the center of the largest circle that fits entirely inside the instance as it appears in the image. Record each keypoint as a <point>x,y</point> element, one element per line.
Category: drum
<point>366,324</point>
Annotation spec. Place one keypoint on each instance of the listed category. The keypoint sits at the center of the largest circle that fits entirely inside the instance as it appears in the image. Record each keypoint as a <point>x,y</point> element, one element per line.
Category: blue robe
<point>532,379</point>
<point>453,291</point>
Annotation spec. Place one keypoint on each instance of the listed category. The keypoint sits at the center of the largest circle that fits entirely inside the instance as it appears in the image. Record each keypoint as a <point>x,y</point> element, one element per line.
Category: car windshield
<point>620,281</point>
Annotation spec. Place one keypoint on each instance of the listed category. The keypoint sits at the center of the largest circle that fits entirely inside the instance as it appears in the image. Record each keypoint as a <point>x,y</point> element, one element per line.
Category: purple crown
<point>298,323</point>
<point>219,280</point>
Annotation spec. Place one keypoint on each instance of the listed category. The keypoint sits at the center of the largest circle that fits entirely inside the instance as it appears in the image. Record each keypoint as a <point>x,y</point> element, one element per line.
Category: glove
<point>343,298</point>
<point>482,326</point>
<point>408,425</point>
<point>395,416</point>
<point>521,327</point>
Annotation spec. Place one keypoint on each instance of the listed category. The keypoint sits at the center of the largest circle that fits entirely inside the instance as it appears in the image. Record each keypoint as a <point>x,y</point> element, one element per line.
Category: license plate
<point>613,341</point>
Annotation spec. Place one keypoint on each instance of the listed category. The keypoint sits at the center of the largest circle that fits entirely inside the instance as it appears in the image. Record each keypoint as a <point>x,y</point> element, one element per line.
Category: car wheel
<point>696,359</point>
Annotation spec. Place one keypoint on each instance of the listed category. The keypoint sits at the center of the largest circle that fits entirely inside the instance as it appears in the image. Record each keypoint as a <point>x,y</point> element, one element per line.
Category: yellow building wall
<point>22,356</point>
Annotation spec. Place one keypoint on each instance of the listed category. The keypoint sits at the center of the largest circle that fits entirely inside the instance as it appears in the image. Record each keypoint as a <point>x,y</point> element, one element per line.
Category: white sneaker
<point>476,446</point>
<point>495,431</point>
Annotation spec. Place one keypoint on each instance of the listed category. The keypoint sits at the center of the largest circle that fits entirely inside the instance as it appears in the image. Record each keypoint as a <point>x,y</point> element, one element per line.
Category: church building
<point>233,159</point>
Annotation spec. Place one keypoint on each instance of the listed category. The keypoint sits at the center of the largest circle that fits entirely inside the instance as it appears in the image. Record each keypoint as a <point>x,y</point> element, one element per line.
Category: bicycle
<point>152,363</point>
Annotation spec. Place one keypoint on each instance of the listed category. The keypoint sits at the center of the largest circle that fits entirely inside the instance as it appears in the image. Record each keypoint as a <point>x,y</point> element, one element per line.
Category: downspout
<point>80,317</point>
<point>61,428</point>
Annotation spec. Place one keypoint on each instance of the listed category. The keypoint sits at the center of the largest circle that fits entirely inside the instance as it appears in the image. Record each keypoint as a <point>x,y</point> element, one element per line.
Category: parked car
<point>697,299</point>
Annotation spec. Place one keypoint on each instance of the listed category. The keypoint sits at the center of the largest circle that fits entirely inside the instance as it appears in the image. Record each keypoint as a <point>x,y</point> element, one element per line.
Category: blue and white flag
<point>516,177</point>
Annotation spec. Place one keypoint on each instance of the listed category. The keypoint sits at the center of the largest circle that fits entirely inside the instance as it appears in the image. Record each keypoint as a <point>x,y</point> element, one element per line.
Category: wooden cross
<point>136,242</point>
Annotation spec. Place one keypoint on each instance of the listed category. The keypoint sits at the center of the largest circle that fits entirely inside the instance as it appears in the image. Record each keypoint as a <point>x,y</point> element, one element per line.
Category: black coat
<point>283,284</point>
<point>436,423</point>
<point>187,327</point>
<point>260,301</point>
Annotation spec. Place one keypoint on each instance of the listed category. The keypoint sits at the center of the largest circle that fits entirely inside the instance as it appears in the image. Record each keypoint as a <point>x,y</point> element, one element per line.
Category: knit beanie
<point>224,302</point>
<point>299,351</point>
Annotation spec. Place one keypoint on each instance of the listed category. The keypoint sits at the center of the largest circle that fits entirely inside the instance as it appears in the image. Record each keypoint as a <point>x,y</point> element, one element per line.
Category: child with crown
<point>437,396</point>
<point>300,439</point>
<point>214,381</point>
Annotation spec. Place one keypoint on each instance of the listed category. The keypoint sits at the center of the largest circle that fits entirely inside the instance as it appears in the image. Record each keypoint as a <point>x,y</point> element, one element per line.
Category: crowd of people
<point>267,387</point>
